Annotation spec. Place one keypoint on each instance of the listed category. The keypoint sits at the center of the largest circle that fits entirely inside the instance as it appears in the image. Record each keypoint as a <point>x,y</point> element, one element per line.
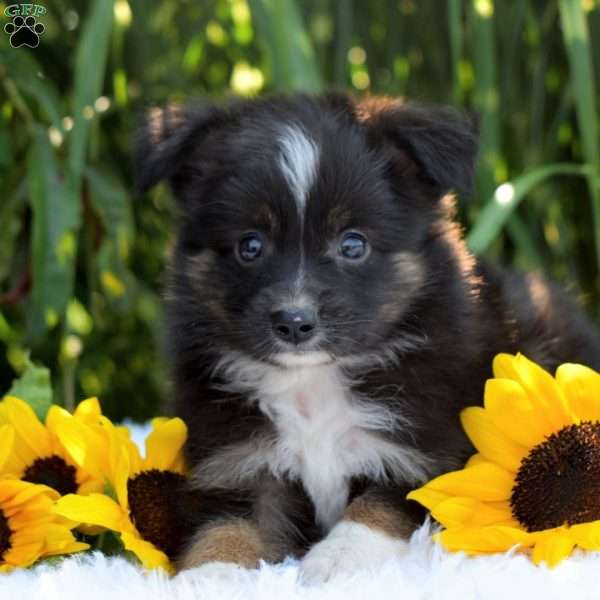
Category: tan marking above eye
<point>202,261</point>
<point>265,218</point>
<point>199,265</point>
<point>338,219</point>
<point>198,269</point>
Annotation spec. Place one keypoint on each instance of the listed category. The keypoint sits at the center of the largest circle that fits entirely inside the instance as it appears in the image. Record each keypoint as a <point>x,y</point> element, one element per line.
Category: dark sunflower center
<point>5,533</point>
<point>54,472</point>
<point>157,505</point>
<point>558,483</point>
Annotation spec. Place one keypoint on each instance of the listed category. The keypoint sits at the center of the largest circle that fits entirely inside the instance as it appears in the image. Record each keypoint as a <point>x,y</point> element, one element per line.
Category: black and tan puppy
<point>326,321</point>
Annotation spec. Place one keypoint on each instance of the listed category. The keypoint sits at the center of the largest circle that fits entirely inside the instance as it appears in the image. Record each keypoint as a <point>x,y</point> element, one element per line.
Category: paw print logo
<point>24,32</point>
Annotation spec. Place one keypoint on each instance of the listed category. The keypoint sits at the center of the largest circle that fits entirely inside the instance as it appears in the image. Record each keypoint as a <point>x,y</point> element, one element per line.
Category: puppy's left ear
<point>436,144</point>
<point>166,138</point>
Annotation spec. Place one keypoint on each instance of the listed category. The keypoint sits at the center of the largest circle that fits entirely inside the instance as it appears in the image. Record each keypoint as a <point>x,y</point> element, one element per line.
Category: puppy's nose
<point>294,326</point>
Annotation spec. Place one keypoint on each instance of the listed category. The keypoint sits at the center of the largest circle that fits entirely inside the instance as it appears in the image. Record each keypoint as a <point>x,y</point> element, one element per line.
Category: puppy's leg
<point>375,528</point>
<point>269,522</point>
<point>228,541</point>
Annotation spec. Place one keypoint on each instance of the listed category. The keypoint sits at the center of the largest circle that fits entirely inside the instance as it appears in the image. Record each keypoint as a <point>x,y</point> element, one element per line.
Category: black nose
<point>294,326</point>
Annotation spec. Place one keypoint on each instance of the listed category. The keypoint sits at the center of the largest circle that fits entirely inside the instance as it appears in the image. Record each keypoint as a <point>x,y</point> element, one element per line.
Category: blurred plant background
<point>81,257</point>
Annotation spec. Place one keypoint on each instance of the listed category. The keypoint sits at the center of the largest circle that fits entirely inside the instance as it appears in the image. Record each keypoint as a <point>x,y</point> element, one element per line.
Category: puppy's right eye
<point>250,247</point>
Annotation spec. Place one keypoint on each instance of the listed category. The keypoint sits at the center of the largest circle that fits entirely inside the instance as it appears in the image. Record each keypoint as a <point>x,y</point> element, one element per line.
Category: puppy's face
<point>303,237</point>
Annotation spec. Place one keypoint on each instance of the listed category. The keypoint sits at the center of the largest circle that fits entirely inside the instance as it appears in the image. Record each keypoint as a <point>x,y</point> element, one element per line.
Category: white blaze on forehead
<point>298,162</point>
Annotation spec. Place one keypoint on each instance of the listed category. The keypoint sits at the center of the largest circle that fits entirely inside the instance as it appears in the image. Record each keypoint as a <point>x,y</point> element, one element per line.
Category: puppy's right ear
<point>166,140</point>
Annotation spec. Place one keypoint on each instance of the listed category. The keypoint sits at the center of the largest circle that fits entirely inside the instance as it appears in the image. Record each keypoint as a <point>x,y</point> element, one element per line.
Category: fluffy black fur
<point>425,315</point>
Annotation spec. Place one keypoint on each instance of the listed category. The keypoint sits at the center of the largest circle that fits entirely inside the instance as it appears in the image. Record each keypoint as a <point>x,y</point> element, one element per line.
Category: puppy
<point>327,323</point>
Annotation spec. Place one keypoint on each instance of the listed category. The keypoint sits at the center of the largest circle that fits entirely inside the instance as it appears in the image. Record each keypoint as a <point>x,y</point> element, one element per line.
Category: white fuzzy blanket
<point>425,573</point>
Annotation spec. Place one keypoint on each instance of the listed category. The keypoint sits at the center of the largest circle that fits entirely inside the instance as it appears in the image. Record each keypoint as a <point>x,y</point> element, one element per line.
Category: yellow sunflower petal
<point>72,437</point>
<point>28,536</point>
<point>513,413</point>
<point>91,486</point>
<point>504,368</point>
<point>70,548</point>
<point>544,390</point>
<point>469,512</point>
<point>539,385</point>
<point>473,540</point>
<point>28,427</point>
<point>59,540</point>
<point>56,415</point>
<point>179,465</point>
<point>581,386</point>
<point>476,459</point>
<point>427,496</point>
<point>80,444</point>
<point>31,519</point>
<point>88,411</point>
<point>492,443</point>
<point>23,555</point>
<point>13,464</point>
<point>486,481</point>
<point>7,438</point>
<point>149,555</point>
<point>119,443</point>
<point>41,493</point>
<point>10,487</point>
<point>586,535</point>
<point>552,548</point>
<point>164,443</point>
<point>14,492</point>
<point>121,476</point>
<point>95,509</point>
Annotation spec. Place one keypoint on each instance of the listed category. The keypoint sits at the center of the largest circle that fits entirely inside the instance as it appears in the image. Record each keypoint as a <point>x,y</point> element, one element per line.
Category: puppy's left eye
<point>250,247</point>
<point>353,246</point>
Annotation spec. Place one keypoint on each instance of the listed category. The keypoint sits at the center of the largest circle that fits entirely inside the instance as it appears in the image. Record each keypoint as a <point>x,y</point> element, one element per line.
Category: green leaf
<point>34,386</point>
<point>506,199</point>
<point>6,148</point>
<point>343,40</point>
<point>111,202</point>
<point>485,93</point>
<point>10,217</point>
<point>291,56</point>
<point>28,75</point>
<point>90,66</point>
<point>56,203</point>
<point>579,53</point>
<point>7,333</point>
<point>53,240</point>
<point>455,32</point>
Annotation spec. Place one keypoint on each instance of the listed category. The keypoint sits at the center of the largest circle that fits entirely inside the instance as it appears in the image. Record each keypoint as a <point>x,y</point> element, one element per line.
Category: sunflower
<point>29,529</point>
<point>39,453</point>
<point>147,492</point>
<point>535,481</point>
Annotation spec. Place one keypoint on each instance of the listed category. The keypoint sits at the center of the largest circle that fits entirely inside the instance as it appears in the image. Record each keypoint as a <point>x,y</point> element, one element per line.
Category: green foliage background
<point>81,257</point>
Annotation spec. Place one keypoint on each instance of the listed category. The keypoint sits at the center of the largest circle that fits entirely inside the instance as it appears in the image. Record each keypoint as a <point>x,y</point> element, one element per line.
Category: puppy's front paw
<point>349,547</point>
<point>232,543</point>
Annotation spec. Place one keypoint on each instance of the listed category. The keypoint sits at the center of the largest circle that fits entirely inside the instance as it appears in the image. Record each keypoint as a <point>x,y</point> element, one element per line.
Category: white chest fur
<point>320,437</point>
<point>325,434</point>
